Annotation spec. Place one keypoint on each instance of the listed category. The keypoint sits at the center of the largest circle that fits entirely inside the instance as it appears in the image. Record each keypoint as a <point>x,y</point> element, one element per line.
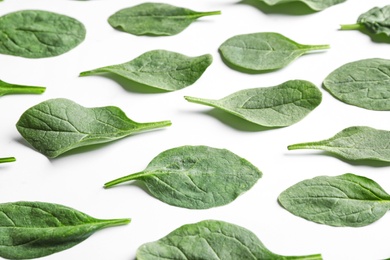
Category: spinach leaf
<point>354,143</point>
<point>211,240</point>
<point>59,125</point>
<point>160,69</point>
<point>277,106</point>
<point>7,159</point>
<point>344,200</point>
<point>313,4</point>
<point>36,229</point>
<point>363,83</point>
<point>376,20</point>
<point>263,51</point>
<point>196,177</point>
<point>7,88</point>
<point>155,19</point>
<point>39,34</point>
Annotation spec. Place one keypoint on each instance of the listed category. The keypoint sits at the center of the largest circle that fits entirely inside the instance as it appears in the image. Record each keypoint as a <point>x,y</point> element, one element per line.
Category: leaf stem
<point>116,222</point>
<point>202,101</point>
<point>209,13</point>
<point>312,145</point>
<point>7,159</point>
<point>356,26</point>
<point>318,47</point>
<point>154,125</point>
<point>130,177</point>
<point>6,88</point>
<point>306,257</point>
<point>90,72</point>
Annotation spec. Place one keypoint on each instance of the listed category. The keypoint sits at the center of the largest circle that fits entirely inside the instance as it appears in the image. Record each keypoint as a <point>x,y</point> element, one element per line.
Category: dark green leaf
<point>263,51</point>
<point>345,200</point>
<point>7,88</point>
<point>155,19</point>
<point>354,143</point>
<point>59,125</point>
<point>39,34</point>
<point>160,69</point>
<point>7,159</point>
<point>196,177</point>
<point>376,20</point>
<point>35,229</point>
<point>281,105</point>
<point>211,240</point>
<point>363,83</point>
<point>313,4</point>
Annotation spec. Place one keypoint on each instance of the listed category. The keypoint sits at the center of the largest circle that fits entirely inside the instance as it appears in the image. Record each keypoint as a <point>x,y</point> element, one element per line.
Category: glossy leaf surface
<point>277,106</point>
<point>362,83</point>
<point>211,240</point>
<point>160,69</point>
<point>354,143</point>
<point>35,229</point>
<point>59,125</point>
<point>155,19</point>
<point>263,51</point>
<point>196,177</point>
<point>313,4</point>
<point>345,200</point>
<point>39,34</point>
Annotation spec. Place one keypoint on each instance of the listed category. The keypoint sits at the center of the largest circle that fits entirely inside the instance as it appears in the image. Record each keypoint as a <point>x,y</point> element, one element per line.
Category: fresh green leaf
<point>263,51</point>
<point>313,4</point>
<point>7,159</point>
<point>155,19</point>
<point>36,229</point>
<point>354,143</point>
<point>345,200</point>
<point>39,34</point>
<point>59,125</point>
<point>211,240</point>
<point>376,20</point>
<point>160,69</point>
<point>7,88</point>
<point>277,106</point>
<point>362,83</point>
<point>196,177</point>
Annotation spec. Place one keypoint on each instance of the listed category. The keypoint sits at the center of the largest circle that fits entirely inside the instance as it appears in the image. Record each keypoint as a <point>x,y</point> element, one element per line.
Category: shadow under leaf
<point>294,8</point>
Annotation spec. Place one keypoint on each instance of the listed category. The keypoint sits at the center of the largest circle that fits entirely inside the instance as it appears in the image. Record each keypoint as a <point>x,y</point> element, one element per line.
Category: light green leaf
<point>362,83</point>
<point>7,88</point>
<point>39,34</point>
<point>354,143</point>
<point>160,69</point>
<point>59,125</point>
<point>345,200</point>
<point>313,4</point>
<point>35,229</point>
<point>277,106</point>
<point>376,20</point>
<point>196,177</point>
<point>263,51</point>
<point>155,19</point>
<point>211,240</point>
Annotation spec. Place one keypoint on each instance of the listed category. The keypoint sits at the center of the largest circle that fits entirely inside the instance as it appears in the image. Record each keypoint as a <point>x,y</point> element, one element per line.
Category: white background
<point>75,179</point>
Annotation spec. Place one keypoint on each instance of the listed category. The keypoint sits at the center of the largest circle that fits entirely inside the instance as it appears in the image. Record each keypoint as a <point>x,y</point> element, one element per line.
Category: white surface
<point>76,179</point>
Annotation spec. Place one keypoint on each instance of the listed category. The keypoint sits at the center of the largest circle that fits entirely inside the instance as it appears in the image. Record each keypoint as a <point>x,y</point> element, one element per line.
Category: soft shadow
<point>130,85</point>
<point>239,69</point>
<point>138,184</point>
<point>370,163</point>
<point>377,38</point>
<point>294,8</point>
<point>236,122</point>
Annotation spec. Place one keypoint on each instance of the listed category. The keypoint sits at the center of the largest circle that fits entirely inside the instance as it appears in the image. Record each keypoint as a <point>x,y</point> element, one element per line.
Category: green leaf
<point>277,106</point>
<point>354,143</point>
<point>313,4</point>
<point>36,229</point>
<point>39,34</point>
<point>345,200</point>
<point>259,52</point>
<point>7,88</point>
<point>196,177</point>
<point>376,20</point>
<point>59,125</point>
<point>211,240</point>
<point>160,69</point>
<point>155,19</point>
<point>363,83</point>
<point>7,159</point>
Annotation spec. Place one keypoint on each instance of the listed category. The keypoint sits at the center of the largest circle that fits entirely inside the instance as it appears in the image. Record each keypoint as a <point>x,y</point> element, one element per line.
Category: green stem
<point>127,178</point>
<point>306,257</point>
<point>318,47</point>
<point>90,72</point>
<point>208,13</point>
<point>116,222</point>
<point>303,146</point>
<point>356,26</point>
<point>154,125</point>
<point>7,159</point>
<point>202,101</point>
<point>6,88</point>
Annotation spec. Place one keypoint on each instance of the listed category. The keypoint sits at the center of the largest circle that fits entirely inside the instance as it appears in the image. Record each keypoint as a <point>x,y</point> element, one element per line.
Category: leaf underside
<point>313,4</point>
